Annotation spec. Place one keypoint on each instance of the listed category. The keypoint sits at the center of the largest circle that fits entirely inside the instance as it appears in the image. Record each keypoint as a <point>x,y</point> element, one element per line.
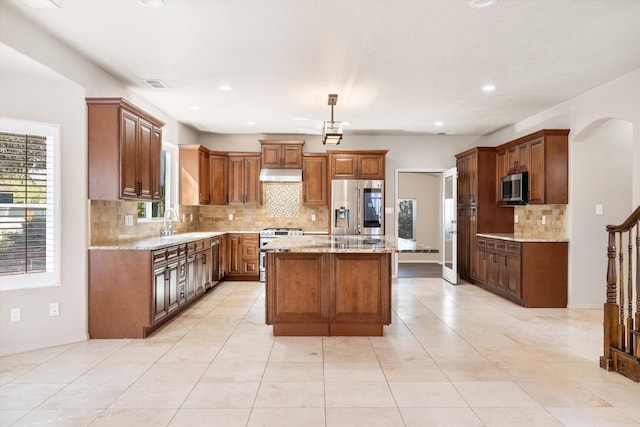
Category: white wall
<point>44,80</point>
<point>618,99</point>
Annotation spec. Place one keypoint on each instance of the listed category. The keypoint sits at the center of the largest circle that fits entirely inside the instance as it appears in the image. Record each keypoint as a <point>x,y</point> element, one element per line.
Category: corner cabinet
<point>124,138</point>
<point>314,180</point>
<point>242,256</point>
<point>194,175</point>
<point>244,179</point>
<point>544,155</point>
<point>277,154</point>
<point>347,164</point>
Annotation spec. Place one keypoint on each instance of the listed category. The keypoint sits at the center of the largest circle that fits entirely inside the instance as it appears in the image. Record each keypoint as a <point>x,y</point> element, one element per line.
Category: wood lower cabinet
<point>124,144</point>
<point>532,274</point>
<point>133,292</point>
<point>314,180</point>
<point>328,294</point>
<point>243,256</point>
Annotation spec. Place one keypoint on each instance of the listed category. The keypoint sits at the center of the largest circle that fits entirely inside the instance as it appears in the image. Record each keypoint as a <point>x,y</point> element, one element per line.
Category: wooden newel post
<point>611,309</point>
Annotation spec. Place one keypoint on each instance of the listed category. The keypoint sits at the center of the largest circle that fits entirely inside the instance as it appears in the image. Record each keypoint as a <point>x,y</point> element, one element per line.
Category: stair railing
<point>621,313</point>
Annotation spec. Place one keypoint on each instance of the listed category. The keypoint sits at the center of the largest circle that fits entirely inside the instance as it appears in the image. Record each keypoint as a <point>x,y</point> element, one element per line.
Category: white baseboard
<point>418,262</point>
<point>44,344</point>
<point>585,306</point>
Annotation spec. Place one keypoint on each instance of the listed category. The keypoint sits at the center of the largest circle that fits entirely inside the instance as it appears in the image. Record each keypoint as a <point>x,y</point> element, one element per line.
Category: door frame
<point>397,172</point>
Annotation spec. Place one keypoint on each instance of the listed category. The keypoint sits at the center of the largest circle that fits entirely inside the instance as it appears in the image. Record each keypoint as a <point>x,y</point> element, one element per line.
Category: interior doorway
<point>419,217</point>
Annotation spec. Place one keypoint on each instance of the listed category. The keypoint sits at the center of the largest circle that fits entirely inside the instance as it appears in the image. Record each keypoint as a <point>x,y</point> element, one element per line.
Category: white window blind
<point>28,214</point>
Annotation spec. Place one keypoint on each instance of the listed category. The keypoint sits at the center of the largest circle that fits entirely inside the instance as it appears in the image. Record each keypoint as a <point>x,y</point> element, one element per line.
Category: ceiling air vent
<point>156,83</point>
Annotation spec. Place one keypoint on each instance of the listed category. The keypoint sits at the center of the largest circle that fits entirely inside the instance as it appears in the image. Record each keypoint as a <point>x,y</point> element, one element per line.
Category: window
<point>407,219</point>
<point>155,210</point>
<point>29,230</point>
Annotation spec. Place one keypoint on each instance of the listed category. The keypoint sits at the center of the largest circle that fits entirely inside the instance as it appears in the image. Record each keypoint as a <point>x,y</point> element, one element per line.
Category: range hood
<point>281,175</point>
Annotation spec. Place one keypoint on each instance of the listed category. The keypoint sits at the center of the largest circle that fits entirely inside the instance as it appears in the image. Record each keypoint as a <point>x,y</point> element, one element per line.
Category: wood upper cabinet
<point>346,164</point>
<point>218,178</point>
<point>314,180</point>
<point>194,175</point>
<point>123,138</point>
<point>244,179</point>
<point>278,154</point>
<point>544,155</point>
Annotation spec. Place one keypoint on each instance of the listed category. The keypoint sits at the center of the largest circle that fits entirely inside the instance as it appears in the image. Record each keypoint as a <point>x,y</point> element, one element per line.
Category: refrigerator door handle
<point>359,210</point>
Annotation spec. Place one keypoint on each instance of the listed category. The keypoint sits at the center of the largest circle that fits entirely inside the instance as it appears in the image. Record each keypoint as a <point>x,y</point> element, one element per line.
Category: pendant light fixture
<point>332,131</point>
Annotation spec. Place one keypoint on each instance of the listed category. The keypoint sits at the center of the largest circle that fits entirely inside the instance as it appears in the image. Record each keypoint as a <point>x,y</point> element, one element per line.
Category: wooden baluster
<point>629,325</point>
<point>611,270</point>
<point>621,334</point>
<point>637,317</point>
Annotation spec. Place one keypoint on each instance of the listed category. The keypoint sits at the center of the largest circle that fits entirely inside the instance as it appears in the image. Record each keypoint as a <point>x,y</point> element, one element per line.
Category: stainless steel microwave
<point>515,188</point>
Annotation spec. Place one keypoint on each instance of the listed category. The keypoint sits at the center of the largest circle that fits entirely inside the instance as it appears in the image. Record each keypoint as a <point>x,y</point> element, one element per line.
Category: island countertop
<point>341,244</point>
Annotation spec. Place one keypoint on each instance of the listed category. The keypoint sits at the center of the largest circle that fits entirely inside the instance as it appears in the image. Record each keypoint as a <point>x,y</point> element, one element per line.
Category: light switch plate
<point>599,209</point>
<point>54,309</point>
<point>15,314</point>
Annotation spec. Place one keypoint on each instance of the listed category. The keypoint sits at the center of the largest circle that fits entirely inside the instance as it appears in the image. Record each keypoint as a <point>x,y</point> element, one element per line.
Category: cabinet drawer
<point>513,247</point>
<point>481,242</point>
<point>491,244</point>
<point>159,256</point>
<point>173,252</point>
<point>500,245</point>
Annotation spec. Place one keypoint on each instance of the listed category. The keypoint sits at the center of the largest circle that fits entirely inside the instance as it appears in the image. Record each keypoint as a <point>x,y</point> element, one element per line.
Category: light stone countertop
<point>340,244</point>
<point>521,238</point>
<point>153,243</point>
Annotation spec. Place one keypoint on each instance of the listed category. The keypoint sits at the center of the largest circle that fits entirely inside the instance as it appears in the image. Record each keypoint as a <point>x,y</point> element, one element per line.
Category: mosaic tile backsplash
<point>530,221</point>
<point>281,207</point>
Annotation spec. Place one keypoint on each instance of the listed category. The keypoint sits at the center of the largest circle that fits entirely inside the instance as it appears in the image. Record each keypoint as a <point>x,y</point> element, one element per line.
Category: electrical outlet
<point>128,220</point>
<point>313,217</point>
<point>54,309</point>
<point>515,219</point>
<point>599,209</point>
<point>544,219</point>
<point>231,217</point>
<point>15,314</point>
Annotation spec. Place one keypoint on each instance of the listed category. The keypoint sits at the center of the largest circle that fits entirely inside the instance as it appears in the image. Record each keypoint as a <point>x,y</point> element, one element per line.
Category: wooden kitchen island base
<point>323,294</point>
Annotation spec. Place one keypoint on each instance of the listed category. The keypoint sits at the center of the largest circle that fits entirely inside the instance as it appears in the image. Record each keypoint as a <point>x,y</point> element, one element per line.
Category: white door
<point>449,226</point>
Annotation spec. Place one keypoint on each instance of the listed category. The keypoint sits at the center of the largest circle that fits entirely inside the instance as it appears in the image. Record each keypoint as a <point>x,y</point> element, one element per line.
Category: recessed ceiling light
<point>251,123</point>
<point>488,88</point>
<point>439,123</point>
<point>194,108</point>
<point>40,4</point>
<point>225,87</point>
<point>150,3</point>
<point>479,4</point>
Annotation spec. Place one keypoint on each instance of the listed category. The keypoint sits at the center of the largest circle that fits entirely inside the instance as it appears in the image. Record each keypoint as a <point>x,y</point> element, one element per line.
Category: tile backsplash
<point>530,221</point>
<point>281,207</point>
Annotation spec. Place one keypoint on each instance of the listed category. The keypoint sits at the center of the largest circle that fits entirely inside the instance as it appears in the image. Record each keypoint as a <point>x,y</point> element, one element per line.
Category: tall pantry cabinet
<point>477,208</point>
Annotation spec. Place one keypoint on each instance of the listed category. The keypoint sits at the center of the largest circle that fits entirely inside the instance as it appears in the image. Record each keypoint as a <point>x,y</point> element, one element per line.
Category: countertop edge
<point>522,239</point>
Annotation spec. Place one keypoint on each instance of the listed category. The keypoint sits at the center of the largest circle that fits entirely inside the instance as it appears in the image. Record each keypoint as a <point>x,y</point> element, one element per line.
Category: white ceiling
<point>397,65</point>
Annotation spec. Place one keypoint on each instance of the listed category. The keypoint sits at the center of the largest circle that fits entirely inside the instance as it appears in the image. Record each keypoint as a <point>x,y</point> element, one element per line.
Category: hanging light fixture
<point>332,131</point>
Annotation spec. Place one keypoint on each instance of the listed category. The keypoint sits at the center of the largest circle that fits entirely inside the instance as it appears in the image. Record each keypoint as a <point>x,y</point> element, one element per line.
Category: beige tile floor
<point>453,356</point>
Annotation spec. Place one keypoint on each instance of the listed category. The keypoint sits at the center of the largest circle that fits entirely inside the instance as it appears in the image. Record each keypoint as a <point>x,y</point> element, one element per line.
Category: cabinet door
<point>524,156</point>
<point>314,181</point>
<point>159,308</point>
<point>234,259</point>
<point>513,276</point>
<point>173,291</point>
<point>203,178</point>
<point>236,180</point>
<point>463,242</point>
<point>218,171</point>
<point>182,280</point>
<point>472,176</point>
<point>537,172</point>
<point>192,274</point>
<point>492,269</point>
<point>343,166</point>
<point>252,187</point>
<point>501,260</point>
<point>371,166</point>
<point>128,147</point>
<point>291,156</point>
<point>271,156</point>
<point>143,159</point>
<point>512,159</point>
<point>156,149</point>
<point>501,170</point>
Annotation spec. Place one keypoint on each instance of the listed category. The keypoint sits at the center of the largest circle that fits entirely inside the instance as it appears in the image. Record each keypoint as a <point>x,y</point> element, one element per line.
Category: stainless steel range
<point>269,235</point>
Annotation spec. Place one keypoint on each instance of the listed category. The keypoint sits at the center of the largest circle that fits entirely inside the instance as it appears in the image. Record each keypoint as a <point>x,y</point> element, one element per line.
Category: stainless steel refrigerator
<point>357,207</point>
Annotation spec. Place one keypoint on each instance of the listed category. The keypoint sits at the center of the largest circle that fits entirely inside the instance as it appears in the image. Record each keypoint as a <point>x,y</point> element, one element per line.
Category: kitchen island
<point>331,285</point>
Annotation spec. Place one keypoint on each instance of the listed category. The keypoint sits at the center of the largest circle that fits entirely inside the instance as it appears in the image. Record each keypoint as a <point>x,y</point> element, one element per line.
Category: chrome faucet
<point>173,216</point>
